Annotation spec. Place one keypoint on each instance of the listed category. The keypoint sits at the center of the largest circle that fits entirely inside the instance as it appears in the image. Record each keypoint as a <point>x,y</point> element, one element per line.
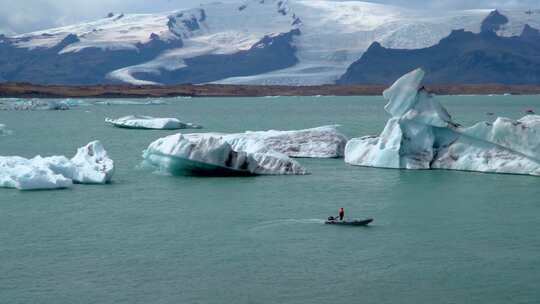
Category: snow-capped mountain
<point>460,58</point>
<point>250,42</point>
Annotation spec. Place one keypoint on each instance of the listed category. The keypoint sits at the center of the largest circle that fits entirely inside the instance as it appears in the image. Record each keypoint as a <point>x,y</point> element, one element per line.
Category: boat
<point>349,222</point>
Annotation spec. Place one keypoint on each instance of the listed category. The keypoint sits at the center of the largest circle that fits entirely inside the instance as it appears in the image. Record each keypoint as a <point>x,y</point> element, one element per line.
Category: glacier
<point>90,165</point>
<point>148,122</point>
<point>213,156</point>
<point>422,135</point>
<point>334,35</point>
<point>320,142</point>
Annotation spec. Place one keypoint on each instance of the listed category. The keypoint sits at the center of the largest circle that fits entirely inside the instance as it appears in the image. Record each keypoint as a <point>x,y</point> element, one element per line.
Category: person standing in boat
<point>341,214</point>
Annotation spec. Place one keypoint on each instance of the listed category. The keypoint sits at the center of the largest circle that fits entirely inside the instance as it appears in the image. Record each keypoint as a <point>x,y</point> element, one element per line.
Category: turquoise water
<point>438,236</point>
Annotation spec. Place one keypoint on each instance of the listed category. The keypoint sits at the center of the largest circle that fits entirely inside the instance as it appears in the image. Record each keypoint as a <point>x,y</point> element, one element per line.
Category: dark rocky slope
<point>88,66</point>
<point>462,57</point>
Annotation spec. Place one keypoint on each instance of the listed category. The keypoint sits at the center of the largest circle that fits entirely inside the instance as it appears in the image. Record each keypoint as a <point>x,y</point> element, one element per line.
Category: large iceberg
<point>213,156</point>
<point>321,142</point>
<point>90,165</point>
<point>148,122</point>
<point>422,135</point>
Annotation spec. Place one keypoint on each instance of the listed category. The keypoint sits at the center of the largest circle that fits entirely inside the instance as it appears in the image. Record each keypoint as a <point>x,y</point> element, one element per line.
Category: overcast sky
<point>28,15</point>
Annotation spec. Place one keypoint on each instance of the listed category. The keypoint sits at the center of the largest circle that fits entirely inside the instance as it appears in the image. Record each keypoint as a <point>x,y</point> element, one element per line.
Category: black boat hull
<point>350,223</point>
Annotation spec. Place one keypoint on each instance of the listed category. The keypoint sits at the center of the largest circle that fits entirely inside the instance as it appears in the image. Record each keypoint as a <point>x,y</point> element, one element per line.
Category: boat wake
<point>284,222</point>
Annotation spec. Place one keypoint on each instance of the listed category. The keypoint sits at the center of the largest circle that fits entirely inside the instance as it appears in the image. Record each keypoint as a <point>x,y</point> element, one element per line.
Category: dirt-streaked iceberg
<point>91,165</point>
<point>148,122</point>
<point>320,142</point>
<point>213,156</point>
<point>422,135</point>
<point>17,104</point>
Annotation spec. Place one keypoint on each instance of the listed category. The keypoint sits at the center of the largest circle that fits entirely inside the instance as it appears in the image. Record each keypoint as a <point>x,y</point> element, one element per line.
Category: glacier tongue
<point>422,135</point>
<point>90,165</point>
<point>213,156</point>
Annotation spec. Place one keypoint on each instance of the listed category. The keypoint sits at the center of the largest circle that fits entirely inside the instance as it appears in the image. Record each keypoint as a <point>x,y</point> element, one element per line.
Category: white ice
<point>209,155</point>
<point>421,135</point>
<point>127,102</point>
<point>4,130</point>
<point>148,122</point>
<point>320,142</point>
<point>15,104</point>
<point>91,165</point>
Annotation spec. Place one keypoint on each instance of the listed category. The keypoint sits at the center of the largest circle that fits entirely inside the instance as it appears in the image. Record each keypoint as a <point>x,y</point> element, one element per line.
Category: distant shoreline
<point>25,90</point>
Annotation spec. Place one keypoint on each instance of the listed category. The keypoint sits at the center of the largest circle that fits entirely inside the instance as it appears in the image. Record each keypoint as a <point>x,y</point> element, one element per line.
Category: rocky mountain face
<point>463,57</point>
<point>87,66</point>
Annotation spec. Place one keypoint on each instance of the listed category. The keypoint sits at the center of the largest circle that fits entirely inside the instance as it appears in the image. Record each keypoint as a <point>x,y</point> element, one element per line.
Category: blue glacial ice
<point>213,156</point>
<point>422,135</point>
<point>248,153</point>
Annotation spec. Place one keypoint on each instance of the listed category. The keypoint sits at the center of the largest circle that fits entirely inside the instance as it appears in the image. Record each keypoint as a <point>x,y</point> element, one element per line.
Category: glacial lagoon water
<point>438,236</point>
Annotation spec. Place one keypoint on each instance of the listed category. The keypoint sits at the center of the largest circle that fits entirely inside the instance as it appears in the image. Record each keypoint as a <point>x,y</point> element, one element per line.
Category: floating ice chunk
<point>148,122</point>
<point>422,135</point>
<point>90,165</point>
<point>4,130</point>
<point>76,102</point>
<point>213,156</point>
<point>33,104</point>
<point>321,142</point>
<point>29,174</point>
<point>123,102</point>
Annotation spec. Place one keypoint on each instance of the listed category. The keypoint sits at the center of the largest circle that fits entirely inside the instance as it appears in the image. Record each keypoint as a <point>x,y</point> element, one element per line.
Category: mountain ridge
<point>163,48</point>
<point>461,57</point>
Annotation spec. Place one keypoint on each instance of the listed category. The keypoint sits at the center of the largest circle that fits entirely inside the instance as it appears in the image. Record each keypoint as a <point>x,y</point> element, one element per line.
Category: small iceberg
<point>148,122</point>
<point>90,165</point>
<point>33,105</point>
<point>4,130</point>
<point>422,135</point>
<point>213,156</point>
<point>321,142</point>
<point>123,102</point>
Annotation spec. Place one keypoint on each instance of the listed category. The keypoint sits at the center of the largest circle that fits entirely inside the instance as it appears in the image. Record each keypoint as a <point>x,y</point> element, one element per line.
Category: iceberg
<point>213,156</point>
<point>148,122</point>
<point>33,105</point>
<point>4,130</point>
<point>422,135</point>
<point>320,142</point>
<point>123,102</point>
<point>90,165</point>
